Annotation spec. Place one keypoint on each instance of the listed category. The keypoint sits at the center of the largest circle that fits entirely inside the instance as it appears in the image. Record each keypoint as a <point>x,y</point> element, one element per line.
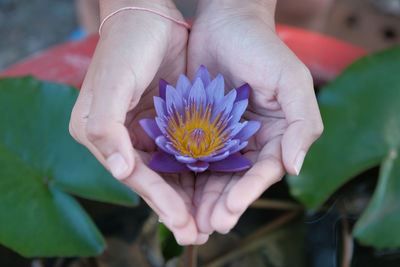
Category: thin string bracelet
<point>179,22</point>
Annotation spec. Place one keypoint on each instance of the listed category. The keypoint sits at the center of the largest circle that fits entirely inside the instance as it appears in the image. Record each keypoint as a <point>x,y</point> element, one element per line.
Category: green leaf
<point>39,160</point>
<point>37,219</point>
<point>379,224</point>
<point>360,110</point>
<point>169,248</point>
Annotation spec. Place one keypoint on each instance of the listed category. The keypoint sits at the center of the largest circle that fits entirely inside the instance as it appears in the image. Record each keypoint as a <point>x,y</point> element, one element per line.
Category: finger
<point>201,239</point>
<point>182,188</point>
<point>297,99</point>
<point>222,219</point>
<point>212,191</point>
<point>241,192</point>
<point>105,127</point>
<point>121,69</point>
<point>267,170</point>
<point>164,200</point>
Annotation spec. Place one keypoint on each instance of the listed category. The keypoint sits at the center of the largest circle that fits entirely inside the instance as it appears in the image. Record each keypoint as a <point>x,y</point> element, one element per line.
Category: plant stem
<point>276,204</point>
<point>347,244</point>
<point>190,256</point>
<point>247,243</point>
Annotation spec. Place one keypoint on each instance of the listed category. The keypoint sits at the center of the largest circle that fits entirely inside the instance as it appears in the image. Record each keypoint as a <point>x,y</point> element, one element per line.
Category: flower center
<point>197,136</point>
<point>194,134</point>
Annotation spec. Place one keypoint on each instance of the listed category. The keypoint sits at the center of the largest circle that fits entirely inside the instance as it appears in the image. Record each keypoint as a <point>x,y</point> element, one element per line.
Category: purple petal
<point>235,128</point>
<point>173,100</point>
<point>171,148</point>
<point>237,111</point>
<point>162,142</point>
<point>197,93</point>
<point>162,87</point>
<point>215,90</point>
<point>203,74</point>
<point>159,105</point>
<point>250,129</point>
<point>185,159</point>
<point>239,147</point>
<point>224,106</point>
<point>199,166</point>
<point>183,86</point>
<point>215,157</point>
<point>229,145</point>
<point>161,125</point>
<point>233,163</point>
<point>163,162</point>
<point>243,92</point>
<point>150,127</point>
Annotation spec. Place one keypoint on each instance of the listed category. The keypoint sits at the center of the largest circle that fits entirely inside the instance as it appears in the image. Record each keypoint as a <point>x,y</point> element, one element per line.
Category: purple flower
<point>198,127</point>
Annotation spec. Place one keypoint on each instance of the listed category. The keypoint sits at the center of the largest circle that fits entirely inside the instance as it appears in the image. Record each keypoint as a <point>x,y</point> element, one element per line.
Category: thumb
<point>300,106</point>
<point>105,128</point>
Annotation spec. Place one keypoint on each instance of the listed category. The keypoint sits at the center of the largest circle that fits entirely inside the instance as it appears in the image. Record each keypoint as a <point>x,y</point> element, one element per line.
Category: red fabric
<point>67,63</point>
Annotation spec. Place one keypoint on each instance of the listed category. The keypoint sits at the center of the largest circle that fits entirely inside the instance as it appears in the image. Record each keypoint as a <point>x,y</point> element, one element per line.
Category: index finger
<point>164,200</point>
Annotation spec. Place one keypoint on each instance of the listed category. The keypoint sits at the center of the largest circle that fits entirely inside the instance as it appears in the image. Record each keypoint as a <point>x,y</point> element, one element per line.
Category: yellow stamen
<point>194,135</point>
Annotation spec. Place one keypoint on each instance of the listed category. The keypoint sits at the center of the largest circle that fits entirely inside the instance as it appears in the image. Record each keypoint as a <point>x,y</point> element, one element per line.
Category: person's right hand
<point>135,50</point>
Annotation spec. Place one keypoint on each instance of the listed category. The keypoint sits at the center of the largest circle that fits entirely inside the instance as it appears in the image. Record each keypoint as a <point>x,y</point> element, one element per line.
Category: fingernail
<point>117,165</point>
<point>226,232</point>
<point>299,161</point>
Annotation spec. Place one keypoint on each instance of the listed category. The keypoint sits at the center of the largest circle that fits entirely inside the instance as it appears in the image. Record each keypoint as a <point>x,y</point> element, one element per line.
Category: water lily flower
<point>199,128</point>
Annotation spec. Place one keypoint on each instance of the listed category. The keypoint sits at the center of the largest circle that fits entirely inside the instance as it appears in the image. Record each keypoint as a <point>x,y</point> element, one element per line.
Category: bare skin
<point>238,39</point>
<point>136,49</point>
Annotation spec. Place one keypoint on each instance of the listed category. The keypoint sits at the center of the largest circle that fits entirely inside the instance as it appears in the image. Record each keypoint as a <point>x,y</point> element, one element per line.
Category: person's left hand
<point>237,39</point>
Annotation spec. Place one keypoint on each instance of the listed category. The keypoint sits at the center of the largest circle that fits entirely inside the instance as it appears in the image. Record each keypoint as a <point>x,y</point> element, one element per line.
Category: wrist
<point>166,7</point>
<point>264,9</point>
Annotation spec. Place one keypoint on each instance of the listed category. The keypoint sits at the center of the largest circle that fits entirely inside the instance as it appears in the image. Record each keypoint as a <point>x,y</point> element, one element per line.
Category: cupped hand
<point>237,39</point>
<point>135,50</point>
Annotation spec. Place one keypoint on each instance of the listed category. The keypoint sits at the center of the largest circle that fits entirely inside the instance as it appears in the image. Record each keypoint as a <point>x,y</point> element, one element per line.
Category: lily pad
<point>361,114</point>
<point>40,164</point>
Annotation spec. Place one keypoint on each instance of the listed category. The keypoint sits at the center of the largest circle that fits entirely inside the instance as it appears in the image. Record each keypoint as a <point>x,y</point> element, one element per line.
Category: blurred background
<point>30,26</point>
<point>277,231</point>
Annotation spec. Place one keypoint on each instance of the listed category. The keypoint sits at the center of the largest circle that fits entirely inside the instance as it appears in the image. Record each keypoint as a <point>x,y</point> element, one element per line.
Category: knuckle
<point>305,73</point>
<point>95,131</point>
<point>318,129</point>
<point>72,130</point>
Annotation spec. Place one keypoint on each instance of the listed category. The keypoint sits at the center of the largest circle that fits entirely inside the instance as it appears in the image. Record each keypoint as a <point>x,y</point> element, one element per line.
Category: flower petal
<point>238,110</point>
<point>250,129</point>
<point>229,145</point>
<point>243,92</point>
<point>215,90</point>
<point>197,94</point>
<point>199,166</point>
<point>159,105</point>
<point>239,147</point>
<point>233,163</point>
<point>185,159</point>
<point>164,162</point>
<point>161,125</point>
<point>150,127</point>
<point>215,157</point>
<point>162,87</point>
<point>183,86</point>
<point>235,128</point>
<point>224,107</point>
<point>203,74</point>
<point>162,142</point>
<point>173,100</point>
